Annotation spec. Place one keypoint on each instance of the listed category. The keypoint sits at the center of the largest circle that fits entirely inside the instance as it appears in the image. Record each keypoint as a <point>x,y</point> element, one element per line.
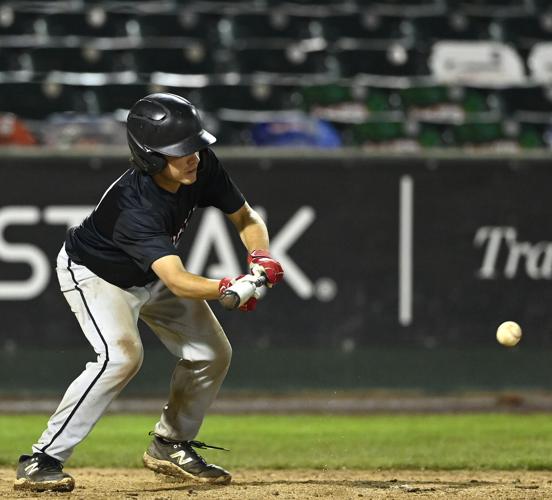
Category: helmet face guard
<point>164,124</point>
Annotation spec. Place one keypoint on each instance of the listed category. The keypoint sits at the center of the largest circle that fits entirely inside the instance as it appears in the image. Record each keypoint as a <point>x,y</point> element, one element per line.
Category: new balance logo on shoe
<point>181,461</point>
<point>40,472</point>
<point>180,457</point>
<point>31,468</point>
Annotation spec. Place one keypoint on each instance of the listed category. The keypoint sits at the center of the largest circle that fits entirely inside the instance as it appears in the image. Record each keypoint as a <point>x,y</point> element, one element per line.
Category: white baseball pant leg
<point>108,316</point>
<point>190,331</point>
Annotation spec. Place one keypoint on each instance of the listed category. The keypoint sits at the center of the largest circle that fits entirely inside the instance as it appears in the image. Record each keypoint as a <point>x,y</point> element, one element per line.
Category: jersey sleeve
<point>142,236</point>
<point>219,189</point>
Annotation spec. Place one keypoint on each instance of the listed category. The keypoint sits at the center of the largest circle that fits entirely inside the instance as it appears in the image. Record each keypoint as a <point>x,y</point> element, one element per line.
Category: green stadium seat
<point>481,134</point>
<point>381,133</point>
<point>438,102</point>
<point>535,135</point>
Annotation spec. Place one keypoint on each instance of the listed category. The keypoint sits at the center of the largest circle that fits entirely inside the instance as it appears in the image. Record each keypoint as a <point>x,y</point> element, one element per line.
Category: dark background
<point>354,340</point>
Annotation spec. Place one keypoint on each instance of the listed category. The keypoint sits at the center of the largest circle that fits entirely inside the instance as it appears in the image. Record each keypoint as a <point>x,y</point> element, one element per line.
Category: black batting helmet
<point>164,124</point>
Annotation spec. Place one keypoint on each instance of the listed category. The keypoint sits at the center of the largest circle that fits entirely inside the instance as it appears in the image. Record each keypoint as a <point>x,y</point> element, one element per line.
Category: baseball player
<point>120,265</point>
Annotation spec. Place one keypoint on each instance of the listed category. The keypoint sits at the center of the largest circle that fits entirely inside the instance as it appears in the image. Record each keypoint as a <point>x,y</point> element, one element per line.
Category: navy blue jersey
<point>138,222</point>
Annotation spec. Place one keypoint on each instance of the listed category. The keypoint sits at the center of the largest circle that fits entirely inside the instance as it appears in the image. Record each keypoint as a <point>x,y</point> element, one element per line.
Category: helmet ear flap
<point>157,162</point>
<point>147,161</point>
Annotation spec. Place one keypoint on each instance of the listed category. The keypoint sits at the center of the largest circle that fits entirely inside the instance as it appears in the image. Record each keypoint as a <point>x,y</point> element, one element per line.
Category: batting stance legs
<point>190,331</point>
<point>108,316</point>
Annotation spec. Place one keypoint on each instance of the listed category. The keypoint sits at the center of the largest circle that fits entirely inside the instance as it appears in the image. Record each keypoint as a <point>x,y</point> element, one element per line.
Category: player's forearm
<point>254,233</point>
<point>192,286</point>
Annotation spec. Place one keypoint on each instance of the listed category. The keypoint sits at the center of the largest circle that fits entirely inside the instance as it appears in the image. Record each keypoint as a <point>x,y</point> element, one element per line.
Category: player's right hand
<point>226,283</point>
<point>262,263</point>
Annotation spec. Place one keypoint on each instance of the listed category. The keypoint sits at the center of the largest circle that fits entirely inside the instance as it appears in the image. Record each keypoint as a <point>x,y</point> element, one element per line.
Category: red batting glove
<point>250,305</point>
<point>261,262</point>
<point>225,283</point>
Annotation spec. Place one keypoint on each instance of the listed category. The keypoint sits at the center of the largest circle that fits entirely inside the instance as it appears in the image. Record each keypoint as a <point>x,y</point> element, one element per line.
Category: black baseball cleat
<point>42,472</point>
<point>180,460</point>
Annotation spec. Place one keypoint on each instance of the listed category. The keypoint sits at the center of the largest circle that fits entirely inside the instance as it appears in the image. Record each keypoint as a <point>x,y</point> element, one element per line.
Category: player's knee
<point>128,357</point>
<point>222,355</point>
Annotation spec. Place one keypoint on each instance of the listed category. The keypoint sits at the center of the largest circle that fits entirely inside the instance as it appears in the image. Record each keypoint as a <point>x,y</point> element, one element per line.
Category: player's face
<point>181,169</point>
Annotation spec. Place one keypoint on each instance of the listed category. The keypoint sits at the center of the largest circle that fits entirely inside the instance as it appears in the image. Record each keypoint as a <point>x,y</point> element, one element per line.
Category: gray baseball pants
<point>108,316</point>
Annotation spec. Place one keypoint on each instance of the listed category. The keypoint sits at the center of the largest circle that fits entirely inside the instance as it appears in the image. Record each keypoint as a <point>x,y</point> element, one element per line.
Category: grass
<point>476,441</point>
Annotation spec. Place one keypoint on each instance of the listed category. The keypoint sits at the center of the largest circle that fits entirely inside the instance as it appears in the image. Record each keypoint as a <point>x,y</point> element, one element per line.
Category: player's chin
<point>188,179</point>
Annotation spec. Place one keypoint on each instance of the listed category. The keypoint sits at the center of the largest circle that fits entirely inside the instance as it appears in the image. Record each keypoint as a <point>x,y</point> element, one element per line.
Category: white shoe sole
<point>169,469</point>
<point>66,484</point>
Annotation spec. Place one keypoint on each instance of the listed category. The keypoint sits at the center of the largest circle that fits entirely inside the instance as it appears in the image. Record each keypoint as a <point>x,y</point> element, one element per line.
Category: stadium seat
<point>526,100</point>
<point>378,133</point>
<point>255,97</point>
<point>430,29</point>
<point>14,59</point>
<point>114,97</point>
<point>14,22</point>
<point>273,25</point>
<point>481,133</point>
<point>319,6</point>
<point>510,8</point>
<point>396,60</point>
<point>366,25</point>
<point>405,7</point>
<point>290,60</point>
<point>350,103</point>
<point>195,58</point>
<point>441,103</point>
<point>425,97</point>
<point>217,5</point>
<point>80,60</point>
<point>541,7</point>
<point>524,32</point>
<point>334,94</point>
<point>184,23</point>
<point>37,101</point>
<point>94,23</point>
<point>535,135</point>
<point>231,132</point>
<point>343,105</point>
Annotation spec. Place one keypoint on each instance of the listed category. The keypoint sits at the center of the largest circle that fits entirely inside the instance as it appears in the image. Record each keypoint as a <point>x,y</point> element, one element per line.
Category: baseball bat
<point>240,293</point>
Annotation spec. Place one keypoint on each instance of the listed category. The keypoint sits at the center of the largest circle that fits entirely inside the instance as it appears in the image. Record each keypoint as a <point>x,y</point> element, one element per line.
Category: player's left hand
<point>262,263</point>
<point>228,282</point>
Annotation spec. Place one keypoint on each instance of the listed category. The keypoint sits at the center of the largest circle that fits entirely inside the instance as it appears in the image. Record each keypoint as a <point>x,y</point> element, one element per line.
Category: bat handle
<point>261,281</point>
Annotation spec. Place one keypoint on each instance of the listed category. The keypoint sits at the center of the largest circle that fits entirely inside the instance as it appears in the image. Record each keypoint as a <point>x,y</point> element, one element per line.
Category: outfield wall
<point>398,271</point>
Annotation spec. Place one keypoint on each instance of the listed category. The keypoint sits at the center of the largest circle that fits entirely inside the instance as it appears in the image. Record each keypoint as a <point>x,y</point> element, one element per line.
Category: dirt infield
<point>301,484</point>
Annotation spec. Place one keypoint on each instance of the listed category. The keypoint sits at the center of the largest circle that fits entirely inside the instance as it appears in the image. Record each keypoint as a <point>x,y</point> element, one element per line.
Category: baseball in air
<point>508,333</point>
